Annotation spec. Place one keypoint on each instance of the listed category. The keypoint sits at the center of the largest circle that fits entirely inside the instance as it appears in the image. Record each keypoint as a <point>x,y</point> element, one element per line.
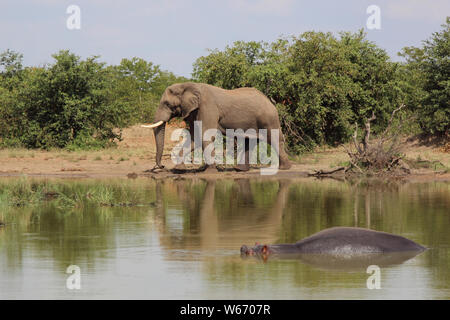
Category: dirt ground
<point>136,153</point>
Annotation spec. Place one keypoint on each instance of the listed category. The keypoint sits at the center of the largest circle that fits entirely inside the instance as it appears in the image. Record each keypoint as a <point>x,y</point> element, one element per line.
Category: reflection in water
<point>343,263</point>
<point>181,239</point>
<point>359,262</point>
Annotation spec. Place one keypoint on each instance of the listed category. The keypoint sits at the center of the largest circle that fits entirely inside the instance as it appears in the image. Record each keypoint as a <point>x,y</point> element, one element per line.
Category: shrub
<point>429,72</point>
<point>319,83</point>
<point>74,103</point>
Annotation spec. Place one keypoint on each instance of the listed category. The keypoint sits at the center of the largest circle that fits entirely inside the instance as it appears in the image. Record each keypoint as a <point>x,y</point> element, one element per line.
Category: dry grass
<point>137,149</point>
<point>137,153</point>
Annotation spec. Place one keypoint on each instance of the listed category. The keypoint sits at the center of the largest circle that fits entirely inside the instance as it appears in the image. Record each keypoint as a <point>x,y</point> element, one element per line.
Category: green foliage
<point>320,84</point>
<point>24,192</point>
<point>54,105</point>
<point>10,63</point>
<point>74,103</point>
<point>429,71</point>
<point>140,84</point>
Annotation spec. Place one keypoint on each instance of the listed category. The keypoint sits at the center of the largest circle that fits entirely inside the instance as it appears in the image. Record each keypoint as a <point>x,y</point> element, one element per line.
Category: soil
<point>136,153</point>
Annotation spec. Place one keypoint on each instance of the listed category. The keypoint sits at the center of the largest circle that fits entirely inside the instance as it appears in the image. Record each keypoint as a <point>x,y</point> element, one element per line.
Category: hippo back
<point>348,241</point>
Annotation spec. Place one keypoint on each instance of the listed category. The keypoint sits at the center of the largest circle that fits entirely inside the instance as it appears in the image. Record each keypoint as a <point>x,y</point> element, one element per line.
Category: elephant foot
<point>242,167</point>
<point>156,169</point>
<point>208,169</point>
<point>179,168</point>
<point>285,165</point>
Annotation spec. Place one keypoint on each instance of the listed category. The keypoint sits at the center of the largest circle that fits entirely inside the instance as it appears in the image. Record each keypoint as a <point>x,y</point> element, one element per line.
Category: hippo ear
<point>264,249</point>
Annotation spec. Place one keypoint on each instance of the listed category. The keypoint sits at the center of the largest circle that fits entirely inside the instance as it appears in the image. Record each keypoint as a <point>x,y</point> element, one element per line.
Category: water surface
<point>180,239</point>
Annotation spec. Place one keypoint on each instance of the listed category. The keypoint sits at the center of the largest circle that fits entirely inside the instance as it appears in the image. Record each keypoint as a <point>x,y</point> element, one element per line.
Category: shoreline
<point>136,153</point>
<point>291,174</point>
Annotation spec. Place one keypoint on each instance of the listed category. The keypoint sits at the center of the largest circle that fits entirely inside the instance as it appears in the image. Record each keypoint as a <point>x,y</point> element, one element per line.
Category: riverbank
<point>136,153</point>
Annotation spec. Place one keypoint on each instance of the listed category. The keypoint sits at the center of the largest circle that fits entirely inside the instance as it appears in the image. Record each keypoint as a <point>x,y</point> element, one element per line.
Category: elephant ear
<point>190,100</point>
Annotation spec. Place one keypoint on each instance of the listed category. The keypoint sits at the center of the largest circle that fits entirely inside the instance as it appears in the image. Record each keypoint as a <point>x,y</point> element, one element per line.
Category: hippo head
<point>257,250</point>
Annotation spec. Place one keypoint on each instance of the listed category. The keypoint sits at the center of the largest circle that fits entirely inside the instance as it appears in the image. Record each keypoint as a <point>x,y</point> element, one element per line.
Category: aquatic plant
<point>28,192</point>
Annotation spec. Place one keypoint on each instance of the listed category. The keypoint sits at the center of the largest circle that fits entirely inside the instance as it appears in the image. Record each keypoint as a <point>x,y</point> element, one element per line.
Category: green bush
<point>51,106</point>
<point>140,84</point>
<point>74,103</point>
<point>320,84</point>
<point>428,70</point>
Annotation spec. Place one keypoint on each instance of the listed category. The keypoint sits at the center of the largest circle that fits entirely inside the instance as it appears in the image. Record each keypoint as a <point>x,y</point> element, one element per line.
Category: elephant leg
<point>246,165</point>
<point>283,159</point>
<point>285,164</point>
<point>208,166</point>
<point>182,166</point>
<point>207,125</point>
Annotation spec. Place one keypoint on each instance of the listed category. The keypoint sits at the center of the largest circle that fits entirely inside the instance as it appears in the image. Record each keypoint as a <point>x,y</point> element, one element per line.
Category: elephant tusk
<point>153,125</point>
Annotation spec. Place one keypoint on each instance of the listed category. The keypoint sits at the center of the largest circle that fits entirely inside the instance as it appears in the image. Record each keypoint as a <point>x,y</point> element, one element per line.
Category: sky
<point>174,33</point>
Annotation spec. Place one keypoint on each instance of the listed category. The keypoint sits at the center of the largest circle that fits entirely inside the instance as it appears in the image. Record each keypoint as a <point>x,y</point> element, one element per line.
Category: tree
<point>76,103</point>
<point>140,84</point>
<point>10,63</point>
<point>10,68</point>
<point>67,102</point>
<point>320,84</point>
<point>429,68</point>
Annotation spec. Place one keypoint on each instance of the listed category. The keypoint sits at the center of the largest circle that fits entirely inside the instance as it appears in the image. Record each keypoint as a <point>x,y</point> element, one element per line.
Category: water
<point>180,239</point>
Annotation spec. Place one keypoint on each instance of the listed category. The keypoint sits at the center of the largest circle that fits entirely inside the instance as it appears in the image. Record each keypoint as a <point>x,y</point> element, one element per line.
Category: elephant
<point>221,109</point>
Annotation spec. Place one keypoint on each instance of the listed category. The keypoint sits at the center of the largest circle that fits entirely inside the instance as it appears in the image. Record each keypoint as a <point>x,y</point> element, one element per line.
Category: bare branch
<point>388,128</point>
<point>355,141</point>
<point>367,131</point>
<point>375,156</point>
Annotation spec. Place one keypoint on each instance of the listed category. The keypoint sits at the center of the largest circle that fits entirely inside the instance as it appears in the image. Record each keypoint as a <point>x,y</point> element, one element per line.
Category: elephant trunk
<point>159,139</point>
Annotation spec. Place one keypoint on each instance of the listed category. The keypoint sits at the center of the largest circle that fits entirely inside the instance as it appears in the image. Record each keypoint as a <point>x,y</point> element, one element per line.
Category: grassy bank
<point>24,192</point>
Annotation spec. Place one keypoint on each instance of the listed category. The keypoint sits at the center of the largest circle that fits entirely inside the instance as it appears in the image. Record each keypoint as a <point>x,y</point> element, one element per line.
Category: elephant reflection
<point>209,230</point>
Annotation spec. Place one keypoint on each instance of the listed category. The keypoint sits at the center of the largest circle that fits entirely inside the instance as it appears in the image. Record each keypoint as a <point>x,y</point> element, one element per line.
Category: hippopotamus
<point>340,242</point>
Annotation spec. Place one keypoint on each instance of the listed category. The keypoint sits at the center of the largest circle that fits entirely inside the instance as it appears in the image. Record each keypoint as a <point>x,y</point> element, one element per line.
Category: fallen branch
<point>318,173</point>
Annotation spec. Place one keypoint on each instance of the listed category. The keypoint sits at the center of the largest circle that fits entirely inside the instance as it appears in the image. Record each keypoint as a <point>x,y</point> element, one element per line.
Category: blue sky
<point>173,33</point>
